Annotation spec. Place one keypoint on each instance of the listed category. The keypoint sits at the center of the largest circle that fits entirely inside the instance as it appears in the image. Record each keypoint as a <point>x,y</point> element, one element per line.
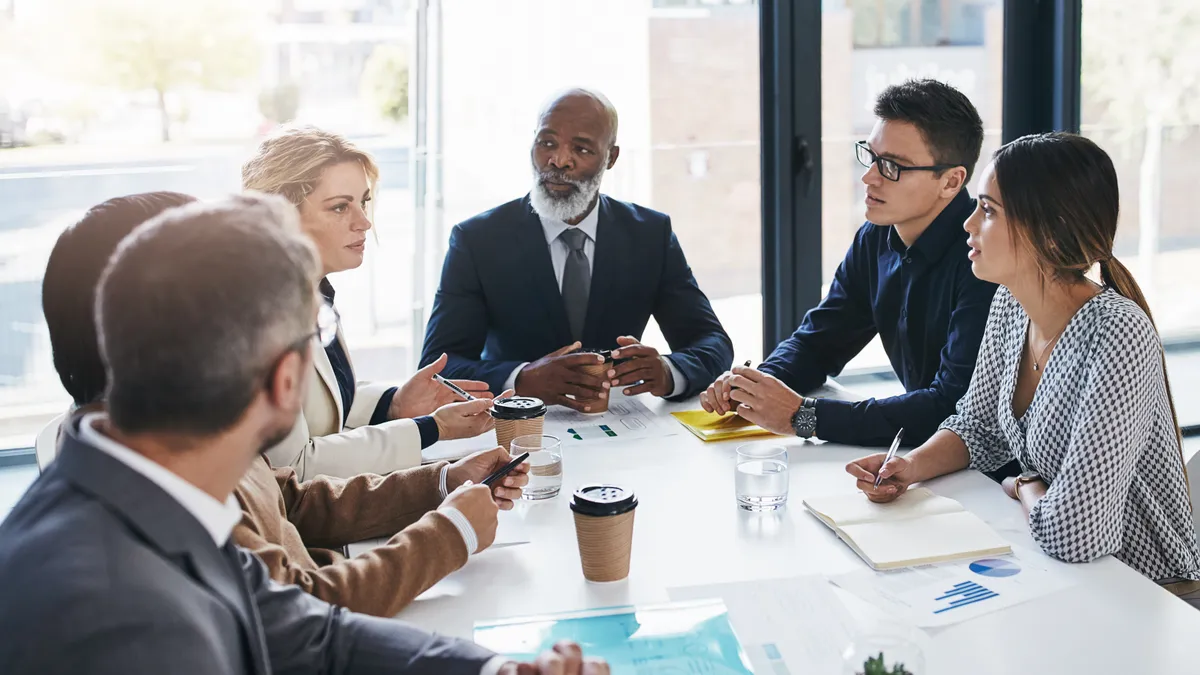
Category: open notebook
<point>916,529</point>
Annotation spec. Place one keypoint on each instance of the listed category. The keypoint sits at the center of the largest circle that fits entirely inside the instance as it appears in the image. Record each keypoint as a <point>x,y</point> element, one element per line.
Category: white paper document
<point>627,418</point>
<point>510,531</point>
<point>789,626</point>
<point>939,595</point>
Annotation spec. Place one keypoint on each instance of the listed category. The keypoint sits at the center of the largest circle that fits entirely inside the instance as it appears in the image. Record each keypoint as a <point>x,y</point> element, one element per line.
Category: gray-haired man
<point>118,560</point>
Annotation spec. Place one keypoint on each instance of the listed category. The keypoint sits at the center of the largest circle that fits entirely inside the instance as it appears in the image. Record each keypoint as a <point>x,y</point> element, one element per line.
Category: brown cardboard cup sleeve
<point>517,416</point>
<point>604,529</point>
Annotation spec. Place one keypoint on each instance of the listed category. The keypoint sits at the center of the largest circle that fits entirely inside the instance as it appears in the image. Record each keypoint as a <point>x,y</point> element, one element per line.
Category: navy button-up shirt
<point>929,311</point>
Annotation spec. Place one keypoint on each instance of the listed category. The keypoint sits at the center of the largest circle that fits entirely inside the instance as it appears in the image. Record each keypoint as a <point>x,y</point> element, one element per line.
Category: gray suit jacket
<point>103,572</point>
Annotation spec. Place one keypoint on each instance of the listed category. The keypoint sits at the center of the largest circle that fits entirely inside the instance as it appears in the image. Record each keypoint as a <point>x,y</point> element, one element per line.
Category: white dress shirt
<point>216,517</point>
<point>460,521</point>
<point>552,228</point>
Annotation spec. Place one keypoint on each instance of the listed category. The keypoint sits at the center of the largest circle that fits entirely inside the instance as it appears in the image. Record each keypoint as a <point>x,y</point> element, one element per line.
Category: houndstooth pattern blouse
<point>1099,431</point>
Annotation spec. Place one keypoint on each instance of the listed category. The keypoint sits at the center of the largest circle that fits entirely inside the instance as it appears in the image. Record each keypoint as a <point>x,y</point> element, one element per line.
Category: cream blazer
<point>320,445</point>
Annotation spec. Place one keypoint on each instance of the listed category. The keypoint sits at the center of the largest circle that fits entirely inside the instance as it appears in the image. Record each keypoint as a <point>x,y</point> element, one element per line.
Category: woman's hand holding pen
<point>422,394</point>
<point>465,419</point>
<point>896,475</point>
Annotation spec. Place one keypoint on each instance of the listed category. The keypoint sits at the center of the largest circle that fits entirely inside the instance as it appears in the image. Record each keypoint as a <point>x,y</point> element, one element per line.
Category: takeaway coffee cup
<point>517,416</point>
<point>599,369</point>
<point>604,529</point>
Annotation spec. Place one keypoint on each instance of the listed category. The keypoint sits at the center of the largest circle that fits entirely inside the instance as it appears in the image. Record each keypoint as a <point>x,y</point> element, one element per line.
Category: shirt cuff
<point>381,409</point>
<point>677,377</point>
<point>511,382</point>
<point>463,526</point>
<point>442,481</point>
<point>429,430</point>
<point>493,666</point>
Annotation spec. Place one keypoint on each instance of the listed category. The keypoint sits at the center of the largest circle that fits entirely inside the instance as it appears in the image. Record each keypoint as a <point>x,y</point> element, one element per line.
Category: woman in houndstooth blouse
<point>1070,379</point>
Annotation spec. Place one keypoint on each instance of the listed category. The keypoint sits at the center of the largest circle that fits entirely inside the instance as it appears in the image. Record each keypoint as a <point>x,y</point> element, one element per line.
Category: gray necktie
<point>576,281</point>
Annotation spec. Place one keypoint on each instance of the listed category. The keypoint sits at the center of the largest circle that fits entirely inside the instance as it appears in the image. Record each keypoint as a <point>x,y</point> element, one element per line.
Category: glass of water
<point>762,477</point>
<point>545,465</point>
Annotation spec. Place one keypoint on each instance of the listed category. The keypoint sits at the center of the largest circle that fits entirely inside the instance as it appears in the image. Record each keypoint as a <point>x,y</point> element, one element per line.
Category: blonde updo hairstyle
<point>291,160</point>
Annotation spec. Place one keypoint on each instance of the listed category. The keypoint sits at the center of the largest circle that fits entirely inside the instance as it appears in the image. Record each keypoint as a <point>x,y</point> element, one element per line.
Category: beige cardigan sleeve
<point>320,444</point>
<point>381,449</point>
<point>366,397</point>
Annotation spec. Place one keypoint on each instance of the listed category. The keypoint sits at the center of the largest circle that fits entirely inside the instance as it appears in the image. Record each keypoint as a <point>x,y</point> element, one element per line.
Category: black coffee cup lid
<point>518,408</point>
<point>606,353</point>
<point>603,500</point>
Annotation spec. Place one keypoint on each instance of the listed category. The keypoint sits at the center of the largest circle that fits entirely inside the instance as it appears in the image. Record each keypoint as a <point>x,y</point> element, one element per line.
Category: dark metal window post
<point>1042,56</point>
<point>790,57</point>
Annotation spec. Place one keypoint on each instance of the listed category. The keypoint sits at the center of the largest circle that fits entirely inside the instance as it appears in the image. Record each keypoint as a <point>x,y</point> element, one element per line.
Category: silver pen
<point>890,456</point>
<point>453,387</point>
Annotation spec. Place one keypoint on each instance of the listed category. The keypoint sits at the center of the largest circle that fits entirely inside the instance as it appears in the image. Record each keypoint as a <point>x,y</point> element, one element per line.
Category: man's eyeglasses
<point>889,169</point>
<point>326,331</point>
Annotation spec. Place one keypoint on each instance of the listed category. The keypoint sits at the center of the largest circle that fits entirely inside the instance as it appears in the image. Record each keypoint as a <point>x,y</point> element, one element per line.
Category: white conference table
<point>689,531</point>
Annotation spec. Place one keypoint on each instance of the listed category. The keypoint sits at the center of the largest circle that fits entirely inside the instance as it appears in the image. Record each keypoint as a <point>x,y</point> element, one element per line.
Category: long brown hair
<point>1061,194</point>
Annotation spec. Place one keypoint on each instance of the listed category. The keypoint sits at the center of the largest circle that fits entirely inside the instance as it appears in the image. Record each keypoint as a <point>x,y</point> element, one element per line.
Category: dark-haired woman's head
<point>72,275</point>
<point>1047,213</point>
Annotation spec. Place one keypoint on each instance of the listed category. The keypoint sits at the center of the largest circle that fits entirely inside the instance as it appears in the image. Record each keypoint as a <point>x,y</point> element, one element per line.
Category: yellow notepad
<point>713,427</point>
<point>917,529</point>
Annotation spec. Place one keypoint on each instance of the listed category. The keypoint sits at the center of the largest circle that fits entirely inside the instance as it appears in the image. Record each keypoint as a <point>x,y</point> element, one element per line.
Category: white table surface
<point>689,531</point>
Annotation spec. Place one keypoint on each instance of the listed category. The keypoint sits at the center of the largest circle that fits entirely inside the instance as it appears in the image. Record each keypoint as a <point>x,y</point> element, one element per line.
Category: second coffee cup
<point>598,369</point>
<point>604,530</point>
<point>517,416</point>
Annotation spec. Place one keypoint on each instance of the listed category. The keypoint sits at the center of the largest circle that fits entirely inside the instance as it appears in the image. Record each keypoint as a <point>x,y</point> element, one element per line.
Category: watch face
<point>804,422</point>
<point>1030,476</point>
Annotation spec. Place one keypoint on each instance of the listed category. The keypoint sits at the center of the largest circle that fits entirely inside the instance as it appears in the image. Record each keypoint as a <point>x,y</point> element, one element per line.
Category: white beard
<point>566,207</point>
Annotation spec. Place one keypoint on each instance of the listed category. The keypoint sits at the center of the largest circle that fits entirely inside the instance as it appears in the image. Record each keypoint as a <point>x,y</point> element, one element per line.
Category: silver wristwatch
<point>804,420</point>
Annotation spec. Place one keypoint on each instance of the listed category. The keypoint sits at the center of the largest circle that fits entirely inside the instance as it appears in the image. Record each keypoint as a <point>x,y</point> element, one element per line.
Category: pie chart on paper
<point>993,567</point>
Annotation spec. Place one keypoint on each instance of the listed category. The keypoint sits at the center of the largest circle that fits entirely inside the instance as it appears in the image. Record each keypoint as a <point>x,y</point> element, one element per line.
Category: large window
<point>103,98</point>
<point>855,70</point>
<point>1141,103</point>
<point>920,23</point>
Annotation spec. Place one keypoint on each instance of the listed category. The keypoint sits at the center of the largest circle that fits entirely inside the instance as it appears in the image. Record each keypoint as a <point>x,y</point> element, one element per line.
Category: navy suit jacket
<point>499,305</point>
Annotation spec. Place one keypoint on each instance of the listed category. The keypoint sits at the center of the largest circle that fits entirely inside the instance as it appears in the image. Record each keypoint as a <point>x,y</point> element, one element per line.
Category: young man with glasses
<point>906,278</point>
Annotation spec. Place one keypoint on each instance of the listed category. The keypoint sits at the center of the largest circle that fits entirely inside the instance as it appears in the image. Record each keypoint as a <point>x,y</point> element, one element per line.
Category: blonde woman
<point>346,427</point>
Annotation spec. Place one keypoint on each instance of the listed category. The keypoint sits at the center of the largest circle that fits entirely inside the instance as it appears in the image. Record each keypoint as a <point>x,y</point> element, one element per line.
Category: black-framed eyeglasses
<point>888,168</point>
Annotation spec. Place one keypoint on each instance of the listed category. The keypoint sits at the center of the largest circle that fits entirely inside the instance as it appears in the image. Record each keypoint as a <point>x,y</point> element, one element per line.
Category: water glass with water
<point>762,477</point>
<point>545,465</point>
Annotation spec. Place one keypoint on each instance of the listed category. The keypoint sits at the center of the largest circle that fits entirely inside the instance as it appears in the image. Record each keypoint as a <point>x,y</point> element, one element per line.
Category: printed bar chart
<point>963,594</point>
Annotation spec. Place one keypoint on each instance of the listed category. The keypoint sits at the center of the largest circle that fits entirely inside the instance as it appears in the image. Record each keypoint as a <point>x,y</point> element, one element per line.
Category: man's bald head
<point>574,144</point>
<point>587,105</point>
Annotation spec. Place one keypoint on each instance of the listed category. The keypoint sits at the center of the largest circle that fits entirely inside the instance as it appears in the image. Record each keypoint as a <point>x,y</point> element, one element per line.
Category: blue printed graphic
<point>963,594</point>
<point>990,567</point>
